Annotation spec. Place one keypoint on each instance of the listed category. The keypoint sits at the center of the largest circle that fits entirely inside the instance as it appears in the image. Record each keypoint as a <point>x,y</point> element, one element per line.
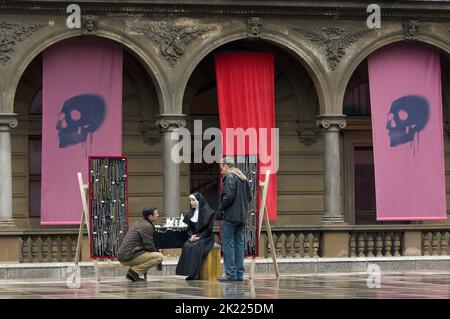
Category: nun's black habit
<point>193,251</point>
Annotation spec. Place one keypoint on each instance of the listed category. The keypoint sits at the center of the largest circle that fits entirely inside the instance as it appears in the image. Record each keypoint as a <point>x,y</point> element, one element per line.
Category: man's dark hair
<point>148,211</point>
<point>229,161</point>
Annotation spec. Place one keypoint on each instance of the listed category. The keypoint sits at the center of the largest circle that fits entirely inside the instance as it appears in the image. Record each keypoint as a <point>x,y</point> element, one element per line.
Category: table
<point>173,237</point>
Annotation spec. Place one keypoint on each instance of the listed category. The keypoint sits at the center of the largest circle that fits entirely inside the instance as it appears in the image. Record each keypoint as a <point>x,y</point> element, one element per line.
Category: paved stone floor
<point>393,285</point>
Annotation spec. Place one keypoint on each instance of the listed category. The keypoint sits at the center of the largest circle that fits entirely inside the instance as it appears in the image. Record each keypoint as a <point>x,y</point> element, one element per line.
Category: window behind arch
<point>365,204</point>
<point>35,160</point>
<point>357,101</point>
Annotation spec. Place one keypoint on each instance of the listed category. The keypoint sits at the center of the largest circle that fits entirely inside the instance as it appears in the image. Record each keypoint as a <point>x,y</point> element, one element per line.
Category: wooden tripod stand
<point>84,217</point>
<point>263,213</point>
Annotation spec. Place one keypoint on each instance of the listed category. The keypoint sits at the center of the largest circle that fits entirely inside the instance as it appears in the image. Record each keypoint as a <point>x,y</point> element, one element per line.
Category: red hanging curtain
<point>245,90</point>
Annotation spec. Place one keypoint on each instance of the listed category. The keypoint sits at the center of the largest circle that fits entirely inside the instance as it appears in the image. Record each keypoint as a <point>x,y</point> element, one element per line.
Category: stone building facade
<point>325,147</point>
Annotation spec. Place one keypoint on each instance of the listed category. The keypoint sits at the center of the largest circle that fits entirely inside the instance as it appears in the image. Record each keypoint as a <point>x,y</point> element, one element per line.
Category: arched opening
<point>140,106</point>
<point>360,197</point>
<point>300,185</point>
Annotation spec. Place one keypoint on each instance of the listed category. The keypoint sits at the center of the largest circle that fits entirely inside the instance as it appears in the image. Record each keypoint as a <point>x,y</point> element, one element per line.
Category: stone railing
<point>435,243</point>
<point>48,248</point>
<point>375,243</point>
<point>289,242</point>
<point>292,244</point>
<point>34,246</point>
<point>37,245</point>
<point>391,240</point>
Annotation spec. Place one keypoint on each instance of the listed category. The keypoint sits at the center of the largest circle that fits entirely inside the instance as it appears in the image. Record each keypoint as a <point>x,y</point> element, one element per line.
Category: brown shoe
<point>133,276</point>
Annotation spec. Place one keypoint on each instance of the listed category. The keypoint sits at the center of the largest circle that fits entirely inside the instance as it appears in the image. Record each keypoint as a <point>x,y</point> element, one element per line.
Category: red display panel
<point>108,204</point>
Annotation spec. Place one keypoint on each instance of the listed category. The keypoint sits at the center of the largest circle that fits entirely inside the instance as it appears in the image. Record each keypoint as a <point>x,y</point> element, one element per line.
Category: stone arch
<point>292,71</point>
<point>150,64</point>
<point>3,108</point>
<point>376,44</point>
<point>303,55</point>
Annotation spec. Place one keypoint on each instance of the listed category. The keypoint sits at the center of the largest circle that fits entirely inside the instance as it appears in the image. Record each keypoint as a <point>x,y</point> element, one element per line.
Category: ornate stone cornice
<point>410,29</point>
<point>333,40</point>
<point>331,122</point>
<point>423,10</point>
<point>173,39</point>
<point>8,121</point>
<point>10,35</point>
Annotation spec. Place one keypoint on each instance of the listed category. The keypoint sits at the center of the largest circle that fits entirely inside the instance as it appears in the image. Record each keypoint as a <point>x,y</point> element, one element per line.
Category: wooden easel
<point>263,213</point>
<point>85,219</point>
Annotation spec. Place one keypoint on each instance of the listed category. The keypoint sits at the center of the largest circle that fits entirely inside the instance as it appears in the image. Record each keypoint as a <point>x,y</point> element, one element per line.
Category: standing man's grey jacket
<point>139,239</point>
<point>234,198</point>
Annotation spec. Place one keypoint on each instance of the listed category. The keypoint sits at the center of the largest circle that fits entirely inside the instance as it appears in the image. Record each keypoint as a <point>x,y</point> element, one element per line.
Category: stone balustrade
<point>34,246</point>
<point>48,248</point>
<point>435,243</point>
<point>375,243</point>
<point>292,244</point>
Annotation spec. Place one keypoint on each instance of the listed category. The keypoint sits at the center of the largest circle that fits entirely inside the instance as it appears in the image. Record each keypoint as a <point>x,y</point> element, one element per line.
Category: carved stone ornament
<point>333,40</point>
<point>8,121</point>
<point>254,25</point>
<point>307,133</point>
<point>172,39</point>
<point>89,25</point>
<point>410,29</point>
<point>150,133</point>
<point>10,35</point>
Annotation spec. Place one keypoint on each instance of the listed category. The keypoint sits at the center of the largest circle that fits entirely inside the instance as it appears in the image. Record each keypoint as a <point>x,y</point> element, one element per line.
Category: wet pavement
<point>394,285</point>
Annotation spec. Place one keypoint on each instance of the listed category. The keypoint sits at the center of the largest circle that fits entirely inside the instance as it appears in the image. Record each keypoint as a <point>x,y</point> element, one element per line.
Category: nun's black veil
<point>205,213</point>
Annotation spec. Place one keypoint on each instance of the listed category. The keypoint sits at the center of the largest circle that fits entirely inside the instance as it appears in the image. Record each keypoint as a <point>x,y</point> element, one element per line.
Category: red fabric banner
<point>246,96</point>
<point>82,116</point>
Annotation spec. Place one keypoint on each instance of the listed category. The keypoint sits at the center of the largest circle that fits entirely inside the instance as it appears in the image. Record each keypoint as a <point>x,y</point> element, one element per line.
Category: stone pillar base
<point>8,223</point>
<point>332,220</point>
<point>334,244</point>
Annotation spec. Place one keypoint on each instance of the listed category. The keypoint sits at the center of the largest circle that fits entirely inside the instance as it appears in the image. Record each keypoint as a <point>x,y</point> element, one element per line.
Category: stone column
<point>332,175</point>
<point>7,122</point>
<point>171,169</point>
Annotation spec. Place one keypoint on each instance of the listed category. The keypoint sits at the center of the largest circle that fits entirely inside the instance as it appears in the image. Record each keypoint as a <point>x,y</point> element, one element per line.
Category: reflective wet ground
<point>331,286</point>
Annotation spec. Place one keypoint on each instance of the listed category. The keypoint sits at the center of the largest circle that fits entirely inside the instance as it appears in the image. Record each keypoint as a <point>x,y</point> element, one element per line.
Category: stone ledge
<point>287,266</point>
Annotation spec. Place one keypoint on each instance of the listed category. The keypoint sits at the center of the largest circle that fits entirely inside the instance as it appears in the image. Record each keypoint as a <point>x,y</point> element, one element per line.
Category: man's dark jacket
<point>139,239</point>
<point>234,199</point>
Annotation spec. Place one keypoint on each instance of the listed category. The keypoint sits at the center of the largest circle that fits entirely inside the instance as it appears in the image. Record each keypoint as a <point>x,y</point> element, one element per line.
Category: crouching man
<point>138,249</point>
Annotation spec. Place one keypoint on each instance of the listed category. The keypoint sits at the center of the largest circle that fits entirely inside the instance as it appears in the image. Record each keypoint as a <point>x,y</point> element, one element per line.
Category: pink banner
<point>82,116</point>
<point>406,106</point>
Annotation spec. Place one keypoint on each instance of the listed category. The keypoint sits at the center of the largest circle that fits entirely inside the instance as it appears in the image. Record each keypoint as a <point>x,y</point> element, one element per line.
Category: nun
<point>200,221</point>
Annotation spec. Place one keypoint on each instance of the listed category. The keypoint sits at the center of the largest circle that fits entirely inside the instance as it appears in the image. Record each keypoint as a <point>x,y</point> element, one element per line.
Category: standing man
<point>233,208</point>
<point>138,249</point>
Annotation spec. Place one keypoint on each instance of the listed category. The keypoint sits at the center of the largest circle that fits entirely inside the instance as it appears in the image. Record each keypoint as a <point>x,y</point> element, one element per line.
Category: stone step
<point>263,266</point>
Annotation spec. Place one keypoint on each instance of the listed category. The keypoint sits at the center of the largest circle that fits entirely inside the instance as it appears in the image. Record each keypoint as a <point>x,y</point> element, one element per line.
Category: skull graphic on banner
<point>407,116</point>
<point>79,116</point>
